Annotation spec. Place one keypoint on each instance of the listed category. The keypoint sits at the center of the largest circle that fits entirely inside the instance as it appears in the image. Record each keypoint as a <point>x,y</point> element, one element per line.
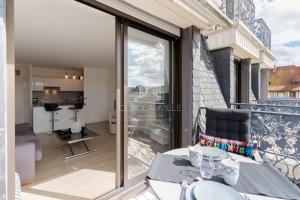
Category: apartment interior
<point>66,100</point>
<point>64,60</point>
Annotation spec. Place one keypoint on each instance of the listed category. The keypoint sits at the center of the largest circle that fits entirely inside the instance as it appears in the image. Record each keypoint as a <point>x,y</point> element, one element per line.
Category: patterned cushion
<point>233,146</point>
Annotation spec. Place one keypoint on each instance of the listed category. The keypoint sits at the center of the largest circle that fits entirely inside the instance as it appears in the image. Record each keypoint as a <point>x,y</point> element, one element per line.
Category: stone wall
<point>206,88</point>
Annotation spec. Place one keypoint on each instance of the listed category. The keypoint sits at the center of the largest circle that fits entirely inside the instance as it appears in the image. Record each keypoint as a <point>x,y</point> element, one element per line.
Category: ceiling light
<point>81,77</point>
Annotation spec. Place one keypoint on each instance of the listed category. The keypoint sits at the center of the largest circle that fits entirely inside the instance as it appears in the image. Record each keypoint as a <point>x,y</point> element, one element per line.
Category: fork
<point>184,185</point>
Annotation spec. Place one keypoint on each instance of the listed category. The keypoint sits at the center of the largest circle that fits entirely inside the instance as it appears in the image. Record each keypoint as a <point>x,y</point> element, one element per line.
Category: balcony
<point>275,126</point>
<point>244,10</point>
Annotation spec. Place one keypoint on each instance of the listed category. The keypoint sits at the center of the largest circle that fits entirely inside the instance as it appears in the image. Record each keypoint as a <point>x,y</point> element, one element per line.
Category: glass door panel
<point>148,96</point>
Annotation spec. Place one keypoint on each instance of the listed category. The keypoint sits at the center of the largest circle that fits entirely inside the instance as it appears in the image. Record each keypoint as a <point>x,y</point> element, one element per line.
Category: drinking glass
<point>231,171</point>
<point>207,167</point>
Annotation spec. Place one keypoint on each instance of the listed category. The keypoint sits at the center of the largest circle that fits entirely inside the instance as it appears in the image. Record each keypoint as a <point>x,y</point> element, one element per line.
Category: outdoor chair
<point>231,124</point>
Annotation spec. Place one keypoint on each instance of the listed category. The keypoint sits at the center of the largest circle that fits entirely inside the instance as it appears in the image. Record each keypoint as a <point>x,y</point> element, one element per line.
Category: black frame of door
<point>124,20</point>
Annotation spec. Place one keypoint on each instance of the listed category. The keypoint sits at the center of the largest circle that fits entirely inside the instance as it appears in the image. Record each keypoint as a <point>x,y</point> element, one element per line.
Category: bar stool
<point>76,108</point>
<point>52,107</point>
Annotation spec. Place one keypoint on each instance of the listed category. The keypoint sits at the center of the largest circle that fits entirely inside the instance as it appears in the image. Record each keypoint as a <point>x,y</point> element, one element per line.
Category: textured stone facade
<point>225,69</point>
<point>206,88</point>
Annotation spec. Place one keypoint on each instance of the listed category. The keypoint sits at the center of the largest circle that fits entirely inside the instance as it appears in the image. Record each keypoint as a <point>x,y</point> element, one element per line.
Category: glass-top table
<point>69,138</point>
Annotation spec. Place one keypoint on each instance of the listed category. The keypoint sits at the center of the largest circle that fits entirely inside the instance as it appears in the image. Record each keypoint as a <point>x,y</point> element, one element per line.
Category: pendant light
<point>66,76</point>
<point>74,76</point>
<point>81,77</point>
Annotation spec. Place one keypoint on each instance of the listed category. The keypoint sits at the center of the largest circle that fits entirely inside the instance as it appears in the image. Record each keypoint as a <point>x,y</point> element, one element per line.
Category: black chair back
<point>232,124</point>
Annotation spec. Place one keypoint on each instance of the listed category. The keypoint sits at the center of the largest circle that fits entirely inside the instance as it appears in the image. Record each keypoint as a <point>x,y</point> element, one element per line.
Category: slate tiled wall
<point>206,88</point>
<point>226,73</point>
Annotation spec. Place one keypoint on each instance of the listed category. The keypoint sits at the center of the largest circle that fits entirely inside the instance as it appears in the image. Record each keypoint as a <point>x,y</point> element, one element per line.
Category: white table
<point>167,190</point>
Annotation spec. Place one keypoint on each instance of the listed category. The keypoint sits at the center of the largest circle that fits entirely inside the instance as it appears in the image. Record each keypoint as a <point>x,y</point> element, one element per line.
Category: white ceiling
<point>63,33</point>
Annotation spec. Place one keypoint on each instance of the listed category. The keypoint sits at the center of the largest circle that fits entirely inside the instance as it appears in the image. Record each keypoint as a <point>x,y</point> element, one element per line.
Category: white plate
<point>204,190</point>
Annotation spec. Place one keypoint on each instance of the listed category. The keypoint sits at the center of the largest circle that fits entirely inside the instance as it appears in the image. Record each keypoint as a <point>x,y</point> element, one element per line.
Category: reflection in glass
<point>148,99</point>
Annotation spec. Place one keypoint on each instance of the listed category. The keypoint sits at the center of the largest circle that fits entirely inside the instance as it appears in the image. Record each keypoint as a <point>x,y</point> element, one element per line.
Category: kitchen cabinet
<point>71,85</point>
<point>41,120</point>
<point>38,84</point>
<point>52,82</point>
<point>64,119</point>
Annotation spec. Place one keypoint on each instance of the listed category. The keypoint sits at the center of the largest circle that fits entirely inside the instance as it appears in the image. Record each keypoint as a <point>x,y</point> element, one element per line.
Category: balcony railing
<point>276,128</point>
<point>244,10</point>
<point>263,32</point>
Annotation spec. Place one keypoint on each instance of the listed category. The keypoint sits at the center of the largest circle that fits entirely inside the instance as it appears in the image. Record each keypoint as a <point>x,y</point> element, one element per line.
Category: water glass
<point>207,167</point>
<point>195,156</point>
<point>231,171</point>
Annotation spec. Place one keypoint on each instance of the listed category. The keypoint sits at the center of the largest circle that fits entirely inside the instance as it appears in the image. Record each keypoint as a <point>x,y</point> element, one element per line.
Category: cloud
<point>283,18</point>
<point>146,64</point>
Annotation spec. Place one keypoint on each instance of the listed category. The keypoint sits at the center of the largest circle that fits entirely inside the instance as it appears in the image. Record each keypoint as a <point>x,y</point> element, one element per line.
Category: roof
<point>277,88</point>
<point>296,79</point>
<point>296,88</point>
<point>284,75</point>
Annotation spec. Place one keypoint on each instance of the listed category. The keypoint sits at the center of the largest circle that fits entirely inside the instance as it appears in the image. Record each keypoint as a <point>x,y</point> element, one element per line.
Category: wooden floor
<point>80,178</point>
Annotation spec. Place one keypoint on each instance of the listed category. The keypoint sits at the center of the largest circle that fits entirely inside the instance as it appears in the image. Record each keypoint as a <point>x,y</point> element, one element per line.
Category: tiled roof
<point>278,88</point>
<point>296,89</point>
<point>283,77</point>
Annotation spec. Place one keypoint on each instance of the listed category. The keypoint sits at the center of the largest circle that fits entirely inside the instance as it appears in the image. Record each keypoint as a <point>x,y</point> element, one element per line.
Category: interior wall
<point>22,94</point>
<point>98,93</point>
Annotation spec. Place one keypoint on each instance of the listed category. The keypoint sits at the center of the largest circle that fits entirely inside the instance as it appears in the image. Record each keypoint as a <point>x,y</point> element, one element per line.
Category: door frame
<point>173,98</point>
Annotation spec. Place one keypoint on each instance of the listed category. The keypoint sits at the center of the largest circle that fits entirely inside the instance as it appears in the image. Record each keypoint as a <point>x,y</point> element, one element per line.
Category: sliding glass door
<point>148,99</point>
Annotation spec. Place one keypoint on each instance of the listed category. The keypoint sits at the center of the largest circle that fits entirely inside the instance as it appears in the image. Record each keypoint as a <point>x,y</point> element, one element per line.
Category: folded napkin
<point>258,179</point>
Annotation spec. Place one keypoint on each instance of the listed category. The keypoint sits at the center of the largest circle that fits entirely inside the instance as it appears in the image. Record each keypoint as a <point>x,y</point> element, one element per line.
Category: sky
<point>283,18</point>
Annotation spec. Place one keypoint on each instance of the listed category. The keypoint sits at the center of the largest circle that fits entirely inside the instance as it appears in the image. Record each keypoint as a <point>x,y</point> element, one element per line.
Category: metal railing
<point>263,32</point>
<point>276,130</point>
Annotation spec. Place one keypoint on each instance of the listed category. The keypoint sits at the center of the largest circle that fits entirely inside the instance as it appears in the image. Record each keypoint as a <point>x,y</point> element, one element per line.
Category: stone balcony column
<point>225,69</point>
<point>264,83</point>
<point>245,80</point>
<point>255,80</point>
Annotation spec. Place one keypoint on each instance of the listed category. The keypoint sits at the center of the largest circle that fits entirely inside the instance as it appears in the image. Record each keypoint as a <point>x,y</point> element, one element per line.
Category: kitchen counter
<point>63,118</point>
<point>59,104</point>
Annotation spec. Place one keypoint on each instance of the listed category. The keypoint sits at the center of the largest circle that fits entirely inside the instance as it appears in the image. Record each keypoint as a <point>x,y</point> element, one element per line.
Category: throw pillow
<point>233,146</point>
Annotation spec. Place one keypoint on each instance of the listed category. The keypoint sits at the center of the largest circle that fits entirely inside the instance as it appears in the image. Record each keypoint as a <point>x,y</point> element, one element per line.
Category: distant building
<point>284,81</point>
